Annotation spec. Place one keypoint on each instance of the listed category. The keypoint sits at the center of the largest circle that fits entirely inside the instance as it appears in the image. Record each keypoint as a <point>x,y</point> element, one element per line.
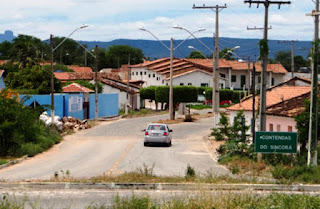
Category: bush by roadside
<point>21,132</point>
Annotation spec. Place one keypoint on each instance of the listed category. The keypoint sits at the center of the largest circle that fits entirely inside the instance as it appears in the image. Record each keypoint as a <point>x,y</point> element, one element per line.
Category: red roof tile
<point>79,69</point>
<point>75,87</point>
<point>273,97</point>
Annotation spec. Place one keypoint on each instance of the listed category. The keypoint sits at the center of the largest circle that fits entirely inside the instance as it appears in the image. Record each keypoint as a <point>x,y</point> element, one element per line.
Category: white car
<point>157,133</point>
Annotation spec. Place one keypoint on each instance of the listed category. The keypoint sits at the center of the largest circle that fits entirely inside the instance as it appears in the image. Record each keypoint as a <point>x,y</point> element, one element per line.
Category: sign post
<point>275,142</point>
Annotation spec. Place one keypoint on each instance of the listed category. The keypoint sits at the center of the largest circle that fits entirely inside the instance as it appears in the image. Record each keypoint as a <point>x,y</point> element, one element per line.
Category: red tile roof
<point>162,66</point>
<point>76,88</point>
<point>3,61</point>
<point>79,69</point>
<point>274,96</point>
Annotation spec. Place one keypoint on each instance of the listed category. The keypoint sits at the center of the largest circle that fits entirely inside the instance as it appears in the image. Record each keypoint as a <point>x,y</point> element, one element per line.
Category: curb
<point>162,186</point>
<point>13,162</point>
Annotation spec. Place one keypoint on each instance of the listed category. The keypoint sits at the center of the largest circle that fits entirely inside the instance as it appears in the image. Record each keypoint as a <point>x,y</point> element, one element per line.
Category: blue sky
<point>114,19</point>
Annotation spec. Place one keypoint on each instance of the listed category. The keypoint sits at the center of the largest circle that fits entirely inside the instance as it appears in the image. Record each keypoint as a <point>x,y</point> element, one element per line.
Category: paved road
<point>117,146</point>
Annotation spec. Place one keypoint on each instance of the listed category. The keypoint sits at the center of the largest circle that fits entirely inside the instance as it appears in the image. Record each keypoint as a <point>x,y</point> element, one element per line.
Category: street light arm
<point>192,34</point>
<point>84,26</point>
<point>143,29</point>
<point>191,47</point>
<point>86,49</point>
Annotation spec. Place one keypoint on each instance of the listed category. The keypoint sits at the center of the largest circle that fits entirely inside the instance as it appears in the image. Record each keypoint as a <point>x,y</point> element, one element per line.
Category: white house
<point>198,72</point>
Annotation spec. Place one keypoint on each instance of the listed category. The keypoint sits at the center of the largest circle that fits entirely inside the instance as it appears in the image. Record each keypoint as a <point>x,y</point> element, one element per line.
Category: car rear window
<point>157,127</point>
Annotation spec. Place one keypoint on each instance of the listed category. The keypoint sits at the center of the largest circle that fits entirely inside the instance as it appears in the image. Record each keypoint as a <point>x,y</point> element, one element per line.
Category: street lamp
<point>171,49</point>
<point>51,66</point>
<point>192,47</point>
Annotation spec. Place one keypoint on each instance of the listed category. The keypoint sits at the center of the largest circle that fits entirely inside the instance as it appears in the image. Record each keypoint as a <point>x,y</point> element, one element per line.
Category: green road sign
<point>275,142</point>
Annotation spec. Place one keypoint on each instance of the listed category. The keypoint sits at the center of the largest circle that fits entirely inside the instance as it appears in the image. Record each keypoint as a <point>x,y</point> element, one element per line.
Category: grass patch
<point>199,106</point>
<point>3,161</point>
<point>220,200</point>
<point>141,112</point>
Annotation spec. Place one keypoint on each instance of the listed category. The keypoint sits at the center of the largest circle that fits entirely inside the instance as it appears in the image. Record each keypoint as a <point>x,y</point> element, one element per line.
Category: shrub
<point>310,174</point>
<point>190,172</point>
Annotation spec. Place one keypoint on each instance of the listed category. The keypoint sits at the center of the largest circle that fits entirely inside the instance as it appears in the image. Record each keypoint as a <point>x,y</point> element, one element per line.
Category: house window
<point>140,73</point>
<point>189,84</point>
<point>149,75</point>
<point>145,73</point>
<point>181,84</point>
<point>272,82</point>
<point>278,128</point>
<point>233,78</point>
<point>223,75</point>
<point>204,84</point>
<point>154,75</point>
<point>132,73</point>
<point>167,84</point>
<point>259,79</point>
<point>162,81</point>
<point>270,127</point>
<point>137,73</point>
<point>158,78</point>
<point>289,128</point>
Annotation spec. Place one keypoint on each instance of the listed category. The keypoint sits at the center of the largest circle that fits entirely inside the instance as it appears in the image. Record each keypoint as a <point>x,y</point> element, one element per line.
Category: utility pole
<point>52,78</point>
<point>126,107</point>
<point>292,55</point>
<point>215,73</point>
<point>171,110</point>
<point>96,84</point>
<point>249,77</point>
<point>313,127</point>
<point>262,112</point>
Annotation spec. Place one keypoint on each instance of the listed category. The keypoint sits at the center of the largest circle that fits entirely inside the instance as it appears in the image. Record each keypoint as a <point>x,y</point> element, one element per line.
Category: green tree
<point>5,48</point>
<point>68,53</point>
<point>239,128</point>
<point>36,78</point>
<point>118,55</point>
<point>223,131</point>
<point>284,57</point>
<point>299,62</point>
<point>226,54</point>
<point>196,55</point>
<point>26,50</point>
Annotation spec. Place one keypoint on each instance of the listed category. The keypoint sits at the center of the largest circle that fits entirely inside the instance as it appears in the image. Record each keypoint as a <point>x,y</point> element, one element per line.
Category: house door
<point>242,81</point>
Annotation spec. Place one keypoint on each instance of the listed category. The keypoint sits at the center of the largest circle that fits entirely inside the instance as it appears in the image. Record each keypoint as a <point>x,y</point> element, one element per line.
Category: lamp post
<point>192,47</point>
<point>51,66</point>
<point>171,49</point>
<point>215,75</point>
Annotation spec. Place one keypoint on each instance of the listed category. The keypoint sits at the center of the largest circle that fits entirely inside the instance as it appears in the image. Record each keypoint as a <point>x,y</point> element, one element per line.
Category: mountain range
<point>154,49</point>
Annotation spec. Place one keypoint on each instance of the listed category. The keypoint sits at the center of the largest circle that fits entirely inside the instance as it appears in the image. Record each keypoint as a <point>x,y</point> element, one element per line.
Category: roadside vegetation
<point>199,200</point>
<point>21,131</point>
<point>237,153</point>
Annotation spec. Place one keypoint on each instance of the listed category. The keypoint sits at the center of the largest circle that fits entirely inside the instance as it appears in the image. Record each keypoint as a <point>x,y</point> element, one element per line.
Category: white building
<point>198,72</point>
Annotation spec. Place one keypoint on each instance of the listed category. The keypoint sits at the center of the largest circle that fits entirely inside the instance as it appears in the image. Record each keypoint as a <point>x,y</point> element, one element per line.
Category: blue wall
<point>2,85</point>
<point>72,104</point>
<point>107,105</point>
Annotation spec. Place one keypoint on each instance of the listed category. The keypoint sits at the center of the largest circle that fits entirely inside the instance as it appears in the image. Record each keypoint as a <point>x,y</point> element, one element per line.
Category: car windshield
<point>157,127</point>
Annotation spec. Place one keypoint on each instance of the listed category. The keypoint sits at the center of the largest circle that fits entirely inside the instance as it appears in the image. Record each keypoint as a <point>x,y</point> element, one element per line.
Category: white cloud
<point>113,19</point>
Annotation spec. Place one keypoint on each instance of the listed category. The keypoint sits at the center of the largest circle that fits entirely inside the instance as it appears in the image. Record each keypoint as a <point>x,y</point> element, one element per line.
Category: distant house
<point>79,69</point>
<point>76,88</point>
<point>111,84</point>
<point>198,72</point>
<point>2,84</point>
<point>283,103</point>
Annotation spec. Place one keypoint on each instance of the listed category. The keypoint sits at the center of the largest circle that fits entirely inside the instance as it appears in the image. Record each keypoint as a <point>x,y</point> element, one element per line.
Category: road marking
<point>115,168</point>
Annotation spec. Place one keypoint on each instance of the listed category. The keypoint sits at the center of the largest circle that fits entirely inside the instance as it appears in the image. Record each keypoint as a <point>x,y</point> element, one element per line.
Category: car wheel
<point>169,144</point>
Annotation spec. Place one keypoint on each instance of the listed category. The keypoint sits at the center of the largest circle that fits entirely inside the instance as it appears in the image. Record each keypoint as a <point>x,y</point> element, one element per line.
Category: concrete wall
<point>72,104</point>
<point>107,105</point>
<point>194,79</point>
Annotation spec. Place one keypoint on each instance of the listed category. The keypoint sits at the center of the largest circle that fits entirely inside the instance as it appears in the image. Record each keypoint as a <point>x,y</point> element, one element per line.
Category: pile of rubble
<point>66,123</point>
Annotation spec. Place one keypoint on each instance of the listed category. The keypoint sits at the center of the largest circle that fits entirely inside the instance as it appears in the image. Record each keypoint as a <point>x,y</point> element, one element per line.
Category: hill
<point>248,47</point>
<point>154,49</point>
